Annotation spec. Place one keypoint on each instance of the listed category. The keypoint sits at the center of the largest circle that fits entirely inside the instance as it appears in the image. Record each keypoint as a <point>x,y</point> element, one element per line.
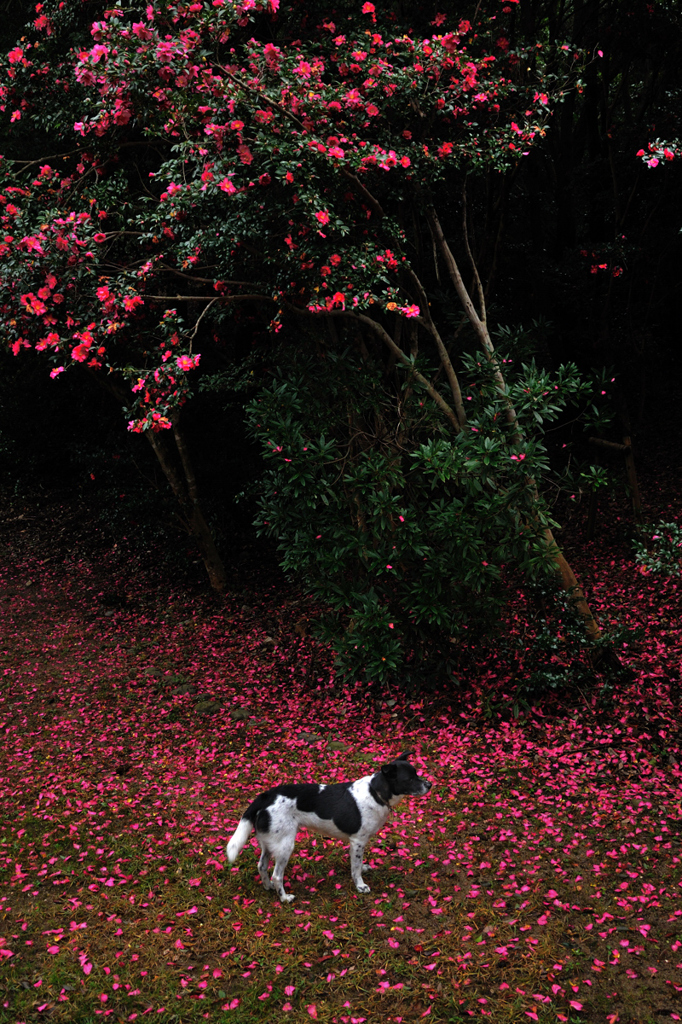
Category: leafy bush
<point>408,534</point>
<point>659,548</point>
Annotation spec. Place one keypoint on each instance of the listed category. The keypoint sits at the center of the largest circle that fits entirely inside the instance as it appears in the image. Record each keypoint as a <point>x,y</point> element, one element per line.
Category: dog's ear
<point>392,767</point>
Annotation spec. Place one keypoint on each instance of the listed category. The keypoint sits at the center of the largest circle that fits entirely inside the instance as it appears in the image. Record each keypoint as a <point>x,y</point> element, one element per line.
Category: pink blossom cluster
<point>657,151</point>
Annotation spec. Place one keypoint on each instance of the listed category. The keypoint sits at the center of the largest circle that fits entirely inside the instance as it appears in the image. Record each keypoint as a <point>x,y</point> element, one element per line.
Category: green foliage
<point>659,548</point>
<point>407,533</point>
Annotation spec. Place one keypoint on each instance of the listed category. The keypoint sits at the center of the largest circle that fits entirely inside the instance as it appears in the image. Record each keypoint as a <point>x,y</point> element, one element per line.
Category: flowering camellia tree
<point>169,164</point>
<point>660,151</point>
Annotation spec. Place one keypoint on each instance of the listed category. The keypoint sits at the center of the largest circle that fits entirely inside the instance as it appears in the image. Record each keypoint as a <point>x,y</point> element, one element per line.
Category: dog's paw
<point>286,897</point>
<point>362,887</point>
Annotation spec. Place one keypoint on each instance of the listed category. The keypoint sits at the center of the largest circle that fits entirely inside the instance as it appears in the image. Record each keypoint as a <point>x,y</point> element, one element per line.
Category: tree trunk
<point>187,495</point>
<point>185,491</point>
<point>563,570</point>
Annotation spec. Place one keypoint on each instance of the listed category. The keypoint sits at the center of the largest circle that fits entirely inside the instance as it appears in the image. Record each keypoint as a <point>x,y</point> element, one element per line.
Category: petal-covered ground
<point>541,878</point>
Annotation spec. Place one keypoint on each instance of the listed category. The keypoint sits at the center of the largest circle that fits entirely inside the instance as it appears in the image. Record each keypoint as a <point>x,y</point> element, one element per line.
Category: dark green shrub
<point>410,536</point>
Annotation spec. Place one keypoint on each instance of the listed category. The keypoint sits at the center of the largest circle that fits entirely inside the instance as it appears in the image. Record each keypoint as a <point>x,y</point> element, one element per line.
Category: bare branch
<point>364,192</point>
<point>377,329</point>
<point>465,226</point>
<point>203,280</point>
<point>210,298</point>
<point>262,96</point>
<point>442,351</point>
<point>199,319</point>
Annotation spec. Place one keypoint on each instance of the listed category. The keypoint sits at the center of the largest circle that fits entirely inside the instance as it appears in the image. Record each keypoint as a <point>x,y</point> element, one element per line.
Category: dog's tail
<point>239,840</point>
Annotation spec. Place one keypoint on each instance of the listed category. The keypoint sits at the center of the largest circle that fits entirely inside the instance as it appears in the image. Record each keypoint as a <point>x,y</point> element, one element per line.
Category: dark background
<point>581,199</point>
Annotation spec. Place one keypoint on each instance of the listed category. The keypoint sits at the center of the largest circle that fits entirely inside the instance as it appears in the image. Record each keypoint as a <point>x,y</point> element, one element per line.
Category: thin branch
<point>353,178</point>
<point>262,96</point>
<point>210,298</point>
<point>366,194</point>
<point>202,280</point>
<point>196,326</point>
<point>383,334</point>
<point>372,324</point>
<point>377,329</point>
<point>442,351</point>
<point>115,234</point>
<point>479,326</point>
<point>25,164</point>
<point>477,279</point>
<point>561,566</point>
<point>435,256</point>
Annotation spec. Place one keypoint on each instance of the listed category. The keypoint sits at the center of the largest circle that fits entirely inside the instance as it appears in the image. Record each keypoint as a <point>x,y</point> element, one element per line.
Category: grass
<point>540,879</point>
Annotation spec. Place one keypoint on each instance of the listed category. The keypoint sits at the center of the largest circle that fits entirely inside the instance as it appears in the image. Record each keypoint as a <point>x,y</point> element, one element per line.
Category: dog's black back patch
<point>306,791</point>
<point>333,803</point>
<point>336,802</point>
<point>305,794</point>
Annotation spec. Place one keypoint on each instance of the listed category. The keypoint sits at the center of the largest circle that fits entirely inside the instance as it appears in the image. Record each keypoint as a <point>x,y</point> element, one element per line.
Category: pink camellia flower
<point>272,53</point>
<point>322,216</point>
<point>368,8</point>
<point>186,362</point>
<point>100,237</point>
<point>141,30</point>
<point>81,352</point>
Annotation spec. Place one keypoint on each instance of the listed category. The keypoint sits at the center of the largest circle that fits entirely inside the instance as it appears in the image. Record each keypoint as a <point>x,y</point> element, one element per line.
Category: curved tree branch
<point>364,192</point>
<point>465,227</point>
<point>561,566</point>
<point>440,345</point>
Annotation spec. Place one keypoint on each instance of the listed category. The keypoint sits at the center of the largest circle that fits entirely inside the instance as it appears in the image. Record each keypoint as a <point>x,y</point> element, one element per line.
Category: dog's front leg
<point>357,850</point>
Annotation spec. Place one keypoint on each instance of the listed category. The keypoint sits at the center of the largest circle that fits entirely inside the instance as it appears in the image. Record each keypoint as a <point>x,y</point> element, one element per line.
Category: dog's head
<point>402,777</point>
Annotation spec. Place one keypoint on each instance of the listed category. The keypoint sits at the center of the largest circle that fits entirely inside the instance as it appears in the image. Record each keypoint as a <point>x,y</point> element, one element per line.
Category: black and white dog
<point>354,811</point>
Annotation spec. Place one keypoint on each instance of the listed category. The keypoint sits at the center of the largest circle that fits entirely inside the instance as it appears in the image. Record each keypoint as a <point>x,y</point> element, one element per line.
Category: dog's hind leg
<point>357,850</point>
<point>263,864</point>
<point>282,851</point>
